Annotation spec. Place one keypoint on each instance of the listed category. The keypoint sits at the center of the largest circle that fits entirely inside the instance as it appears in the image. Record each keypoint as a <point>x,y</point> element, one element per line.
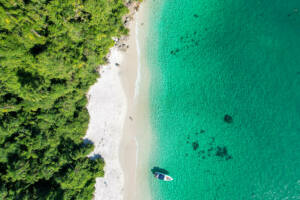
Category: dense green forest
<point>49,53</point>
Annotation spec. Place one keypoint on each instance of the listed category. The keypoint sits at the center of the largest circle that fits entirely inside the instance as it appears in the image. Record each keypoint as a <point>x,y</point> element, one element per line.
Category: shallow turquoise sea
<point>211,58</point>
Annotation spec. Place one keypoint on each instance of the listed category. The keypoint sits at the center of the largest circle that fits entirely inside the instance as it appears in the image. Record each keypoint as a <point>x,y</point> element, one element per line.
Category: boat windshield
<point>161,176</point>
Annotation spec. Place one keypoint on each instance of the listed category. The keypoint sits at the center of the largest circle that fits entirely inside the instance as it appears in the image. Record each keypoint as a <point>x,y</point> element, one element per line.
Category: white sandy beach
<point>115,106</point>
<point>107,108</point>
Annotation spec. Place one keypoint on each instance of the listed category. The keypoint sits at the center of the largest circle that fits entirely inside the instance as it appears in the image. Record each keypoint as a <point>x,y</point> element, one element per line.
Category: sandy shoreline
<point>136,136</point>
<point>118,108</point>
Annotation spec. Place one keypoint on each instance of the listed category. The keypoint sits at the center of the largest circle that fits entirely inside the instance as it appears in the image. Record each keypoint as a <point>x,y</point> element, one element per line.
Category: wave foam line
<point>138,76</point>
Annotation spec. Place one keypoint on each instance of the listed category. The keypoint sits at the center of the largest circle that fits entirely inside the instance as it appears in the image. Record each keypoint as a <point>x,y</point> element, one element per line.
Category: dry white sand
<point>107,108</point>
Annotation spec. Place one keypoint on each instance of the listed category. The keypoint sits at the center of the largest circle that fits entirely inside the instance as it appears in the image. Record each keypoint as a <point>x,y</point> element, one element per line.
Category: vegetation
<point>49,52</point>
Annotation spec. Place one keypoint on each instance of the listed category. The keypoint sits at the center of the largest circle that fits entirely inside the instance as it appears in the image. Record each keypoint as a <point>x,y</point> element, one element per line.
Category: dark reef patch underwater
<point>225,99</point>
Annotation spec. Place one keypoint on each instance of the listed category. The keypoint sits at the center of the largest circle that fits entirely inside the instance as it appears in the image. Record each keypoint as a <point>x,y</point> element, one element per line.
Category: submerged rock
<point>210,149</point>
<point>174,52</point>
<point>212,141</point>
<point>228,119</point>
<point>228,157</point>
<point>223,153</point>
<point>195,145</point>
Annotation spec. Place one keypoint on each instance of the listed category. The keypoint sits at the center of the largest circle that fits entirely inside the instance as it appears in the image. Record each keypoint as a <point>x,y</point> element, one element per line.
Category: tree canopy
<point>49,53</point>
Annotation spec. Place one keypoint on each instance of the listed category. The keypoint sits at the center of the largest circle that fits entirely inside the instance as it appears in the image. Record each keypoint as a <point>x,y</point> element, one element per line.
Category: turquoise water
<point>211,58</point>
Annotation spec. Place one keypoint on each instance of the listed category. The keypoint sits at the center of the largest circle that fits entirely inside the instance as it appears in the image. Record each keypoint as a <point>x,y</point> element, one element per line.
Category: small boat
<point>162,176</point>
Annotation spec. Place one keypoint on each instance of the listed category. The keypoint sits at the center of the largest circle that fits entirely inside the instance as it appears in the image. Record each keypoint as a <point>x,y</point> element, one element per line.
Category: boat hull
<point>162,177</point>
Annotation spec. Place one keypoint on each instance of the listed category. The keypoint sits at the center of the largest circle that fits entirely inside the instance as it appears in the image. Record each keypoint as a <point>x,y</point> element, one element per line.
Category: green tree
<point>49,53</point>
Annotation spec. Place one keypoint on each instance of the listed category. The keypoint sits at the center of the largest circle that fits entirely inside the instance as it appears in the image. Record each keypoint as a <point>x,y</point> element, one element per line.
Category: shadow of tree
<point>95,156</point>
<point>28,78</point>
<point>87,141</point>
